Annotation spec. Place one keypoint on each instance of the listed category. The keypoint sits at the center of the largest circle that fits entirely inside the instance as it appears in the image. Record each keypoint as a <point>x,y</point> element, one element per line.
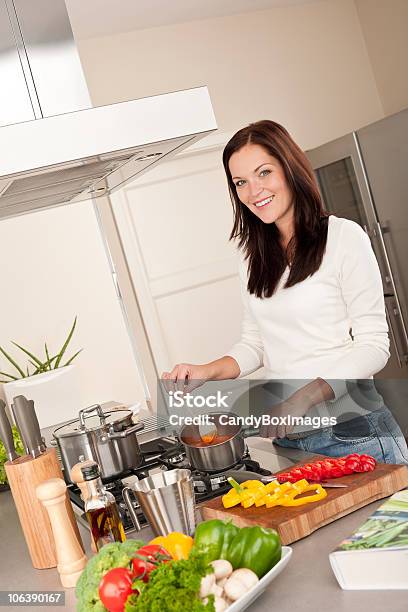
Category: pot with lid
<point>107,437</point>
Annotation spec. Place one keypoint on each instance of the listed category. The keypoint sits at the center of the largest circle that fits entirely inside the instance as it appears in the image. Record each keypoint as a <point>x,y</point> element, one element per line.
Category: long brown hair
<point>267,259</point>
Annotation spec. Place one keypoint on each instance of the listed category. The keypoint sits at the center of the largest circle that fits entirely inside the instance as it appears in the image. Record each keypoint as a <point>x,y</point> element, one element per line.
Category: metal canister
<point>167,500</point>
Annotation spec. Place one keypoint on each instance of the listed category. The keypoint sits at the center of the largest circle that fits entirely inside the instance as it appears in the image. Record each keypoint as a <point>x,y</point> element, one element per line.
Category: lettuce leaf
<point>18,445</point>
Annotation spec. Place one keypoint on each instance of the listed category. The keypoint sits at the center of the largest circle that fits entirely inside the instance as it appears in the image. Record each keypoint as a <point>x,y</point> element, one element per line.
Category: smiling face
<point>261,185</point>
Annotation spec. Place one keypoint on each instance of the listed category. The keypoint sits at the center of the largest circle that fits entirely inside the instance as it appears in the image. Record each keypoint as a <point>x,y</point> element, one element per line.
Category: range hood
<point>56,150</point>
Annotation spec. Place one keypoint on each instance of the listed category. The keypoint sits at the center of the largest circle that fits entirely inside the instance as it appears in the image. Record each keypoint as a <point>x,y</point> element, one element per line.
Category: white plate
<point>246,600</point>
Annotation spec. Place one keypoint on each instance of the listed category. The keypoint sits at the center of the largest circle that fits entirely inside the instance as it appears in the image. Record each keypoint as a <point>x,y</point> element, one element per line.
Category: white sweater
<point>303,332</point>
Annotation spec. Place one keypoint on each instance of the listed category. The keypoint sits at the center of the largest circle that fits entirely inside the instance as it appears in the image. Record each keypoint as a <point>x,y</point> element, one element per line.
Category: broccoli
<point>112,555</point>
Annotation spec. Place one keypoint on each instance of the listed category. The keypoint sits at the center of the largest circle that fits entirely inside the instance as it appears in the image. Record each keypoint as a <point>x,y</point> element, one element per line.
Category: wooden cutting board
<point>297,522</point>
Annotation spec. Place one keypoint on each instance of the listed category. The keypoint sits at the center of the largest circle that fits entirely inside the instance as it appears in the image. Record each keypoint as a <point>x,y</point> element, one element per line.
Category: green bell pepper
<point>212,538</point>
<point>257,548</point>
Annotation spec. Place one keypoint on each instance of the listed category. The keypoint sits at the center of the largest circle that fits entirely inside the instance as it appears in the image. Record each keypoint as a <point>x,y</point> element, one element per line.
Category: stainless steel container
<point>167,500</point>
<point>215,457</point>
<point>109,438</point>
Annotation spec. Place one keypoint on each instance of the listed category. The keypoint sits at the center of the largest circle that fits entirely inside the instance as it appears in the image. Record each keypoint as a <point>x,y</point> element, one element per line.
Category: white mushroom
<point>206,585</point>
<point>222,582</point>
<point>220,604</point>
<point>217,590</point>
<point>239,583</point>
<point>222,569</point>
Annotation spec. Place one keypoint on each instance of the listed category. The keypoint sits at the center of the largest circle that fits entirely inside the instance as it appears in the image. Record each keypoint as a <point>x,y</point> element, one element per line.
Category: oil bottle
<point>101,510</point>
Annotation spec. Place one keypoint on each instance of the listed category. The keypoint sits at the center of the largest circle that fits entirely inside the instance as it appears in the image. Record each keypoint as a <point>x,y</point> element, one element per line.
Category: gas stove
<point>165,454</point>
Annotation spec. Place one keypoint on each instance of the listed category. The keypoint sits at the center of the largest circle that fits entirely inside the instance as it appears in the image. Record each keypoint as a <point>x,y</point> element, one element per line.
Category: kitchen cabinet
<point>15,103</point>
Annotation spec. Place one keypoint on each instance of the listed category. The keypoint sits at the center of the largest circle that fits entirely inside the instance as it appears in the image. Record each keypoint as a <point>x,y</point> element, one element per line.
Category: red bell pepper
<point>329,468</point>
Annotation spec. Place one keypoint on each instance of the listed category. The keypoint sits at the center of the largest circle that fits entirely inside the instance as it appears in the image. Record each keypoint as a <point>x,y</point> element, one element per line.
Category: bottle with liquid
<point>101,510</point>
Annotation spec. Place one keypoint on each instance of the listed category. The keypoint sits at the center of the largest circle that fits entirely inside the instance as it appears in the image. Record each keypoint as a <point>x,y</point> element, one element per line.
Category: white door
<point>174,224</point>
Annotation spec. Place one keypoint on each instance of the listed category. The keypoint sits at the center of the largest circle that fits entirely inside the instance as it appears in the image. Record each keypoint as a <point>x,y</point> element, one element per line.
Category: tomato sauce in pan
<point>201,442</point>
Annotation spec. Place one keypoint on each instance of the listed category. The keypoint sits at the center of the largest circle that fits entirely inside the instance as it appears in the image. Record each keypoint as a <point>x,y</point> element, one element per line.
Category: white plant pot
<point>56,394</point>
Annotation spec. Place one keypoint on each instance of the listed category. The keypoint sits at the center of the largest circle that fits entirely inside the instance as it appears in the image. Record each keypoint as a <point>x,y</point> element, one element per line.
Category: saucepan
<point>226,449</point>
<point>107,437</point>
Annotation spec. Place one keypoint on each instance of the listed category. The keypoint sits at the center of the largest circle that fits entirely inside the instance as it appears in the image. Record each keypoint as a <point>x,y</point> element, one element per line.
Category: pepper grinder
<point>70,556</point>
<point>77,477</point>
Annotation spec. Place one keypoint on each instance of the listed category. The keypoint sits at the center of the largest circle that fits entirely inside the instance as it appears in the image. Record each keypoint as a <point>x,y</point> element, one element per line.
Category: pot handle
<point>114,435</point>
<point>85,411</point>
<point>126,498</point>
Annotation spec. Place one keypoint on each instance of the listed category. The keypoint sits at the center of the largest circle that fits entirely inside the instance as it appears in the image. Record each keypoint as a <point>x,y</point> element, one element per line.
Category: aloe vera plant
<point>38,365</point>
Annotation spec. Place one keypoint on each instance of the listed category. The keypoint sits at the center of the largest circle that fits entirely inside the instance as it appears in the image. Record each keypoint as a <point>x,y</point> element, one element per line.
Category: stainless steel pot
<point>109,438</point>
<point>215,457</point>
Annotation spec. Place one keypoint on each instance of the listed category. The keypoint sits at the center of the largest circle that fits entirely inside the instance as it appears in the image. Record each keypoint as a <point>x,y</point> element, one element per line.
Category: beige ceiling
<point>92,18</point>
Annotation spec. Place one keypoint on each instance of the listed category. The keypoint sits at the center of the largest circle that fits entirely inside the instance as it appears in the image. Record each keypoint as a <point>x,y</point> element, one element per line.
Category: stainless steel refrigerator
<point>363,176</point>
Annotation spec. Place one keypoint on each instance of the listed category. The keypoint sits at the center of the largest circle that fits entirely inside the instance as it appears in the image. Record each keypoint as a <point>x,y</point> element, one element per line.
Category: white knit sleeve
<point>248,352</point>
<point>362,291</point>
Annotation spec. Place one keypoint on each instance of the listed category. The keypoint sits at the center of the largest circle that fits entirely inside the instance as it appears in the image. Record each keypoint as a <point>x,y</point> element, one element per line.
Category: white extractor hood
<point>55,149</point>
<point>61,158</point>
<point>71,157</point>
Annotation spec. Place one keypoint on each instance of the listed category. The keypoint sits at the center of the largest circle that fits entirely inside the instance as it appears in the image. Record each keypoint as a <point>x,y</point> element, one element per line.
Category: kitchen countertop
<point>307,583</point>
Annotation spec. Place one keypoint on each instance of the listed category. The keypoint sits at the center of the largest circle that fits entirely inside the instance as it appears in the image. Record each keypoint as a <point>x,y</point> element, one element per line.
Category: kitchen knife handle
<point>38,440</point>
<point>27,423</point>
<point>6,434</point>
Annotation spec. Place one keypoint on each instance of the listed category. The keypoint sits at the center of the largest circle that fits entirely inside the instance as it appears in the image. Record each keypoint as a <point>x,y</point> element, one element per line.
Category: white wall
<point>384,24</point>
<point>54,268</point>
<point>305,66</point>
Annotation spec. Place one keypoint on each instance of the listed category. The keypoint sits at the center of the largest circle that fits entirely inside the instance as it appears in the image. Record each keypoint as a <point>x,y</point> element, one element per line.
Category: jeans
<point>376,434</point>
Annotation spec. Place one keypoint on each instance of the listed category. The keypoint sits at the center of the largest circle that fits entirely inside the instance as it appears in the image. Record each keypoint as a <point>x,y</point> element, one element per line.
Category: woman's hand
<point>185,377</point>
<point>296,405</point>
<point>291,407</point>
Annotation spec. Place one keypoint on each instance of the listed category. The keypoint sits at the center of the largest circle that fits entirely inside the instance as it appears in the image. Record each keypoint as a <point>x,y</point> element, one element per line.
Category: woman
<point>313,302</point>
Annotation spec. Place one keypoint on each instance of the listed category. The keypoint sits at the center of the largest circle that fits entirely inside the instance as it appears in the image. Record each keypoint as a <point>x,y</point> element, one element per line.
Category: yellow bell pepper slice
<point>320,493</point>
<point>231,499</point>
<point>273,486</point>
<point>252,499</point>
<point>242,493</point>
<point>252,484</point>
<point>275,491</point>
<point>254,492</point>
<point>255,489</point>
<point>282,494</point>
<point>177,544</point>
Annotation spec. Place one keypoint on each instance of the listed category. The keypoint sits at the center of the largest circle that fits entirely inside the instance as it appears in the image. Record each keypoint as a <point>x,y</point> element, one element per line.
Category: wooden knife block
<point>24,475</point>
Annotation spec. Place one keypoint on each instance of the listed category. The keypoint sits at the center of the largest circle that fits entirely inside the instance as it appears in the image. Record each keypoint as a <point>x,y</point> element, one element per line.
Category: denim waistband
<point>306,434</point>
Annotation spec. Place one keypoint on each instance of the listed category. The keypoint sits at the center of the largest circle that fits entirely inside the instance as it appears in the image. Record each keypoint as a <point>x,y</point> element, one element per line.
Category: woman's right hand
<point>185,377</point>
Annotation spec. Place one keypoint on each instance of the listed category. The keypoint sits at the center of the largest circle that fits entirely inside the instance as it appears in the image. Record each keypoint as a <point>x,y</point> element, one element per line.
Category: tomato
<point>115,587</point>
<point>147,559</point>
